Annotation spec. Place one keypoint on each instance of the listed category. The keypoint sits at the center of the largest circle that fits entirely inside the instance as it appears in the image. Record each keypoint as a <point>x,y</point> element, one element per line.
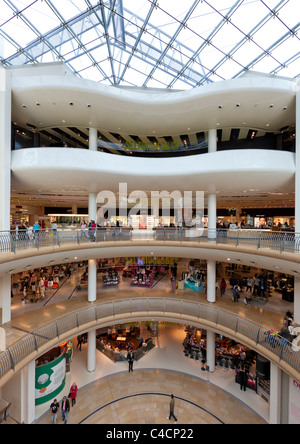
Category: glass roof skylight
<point>154,43</point>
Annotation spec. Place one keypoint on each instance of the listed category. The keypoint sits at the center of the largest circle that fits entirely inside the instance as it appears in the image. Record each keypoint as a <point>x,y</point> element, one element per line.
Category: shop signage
<point>50,380</point>
<point>152,261</point>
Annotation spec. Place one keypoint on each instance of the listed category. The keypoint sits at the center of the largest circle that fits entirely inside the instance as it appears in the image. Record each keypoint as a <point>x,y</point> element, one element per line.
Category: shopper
<point>249,284</point>
<point>73,393</point>
<point>79,342</point>
<point>130,359</point>
<point>236,294</point>
<point>243,380</point>
<point>65,408</point>
<point>83,230</point>
<point>223,287</point>
<point>54,408</point>
<point>256,289</point>
<point>172,409</point>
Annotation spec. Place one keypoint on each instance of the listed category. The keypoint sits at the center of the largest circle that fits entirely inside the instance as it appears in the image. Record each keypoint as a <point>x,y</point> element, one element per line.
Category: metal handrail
<point>33,341</point>
<point>12,241</point>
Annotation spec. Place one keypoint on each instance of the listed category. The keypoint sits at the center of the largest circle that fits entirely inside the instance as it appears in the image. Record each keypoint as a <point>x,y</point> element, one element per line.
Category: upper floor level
<point>53,107</point>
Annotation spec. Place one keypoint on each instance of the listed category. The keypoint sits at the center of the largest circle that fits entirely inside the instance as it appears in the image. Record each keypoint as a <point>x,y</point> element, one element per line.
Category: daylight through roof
<point>153,43</point>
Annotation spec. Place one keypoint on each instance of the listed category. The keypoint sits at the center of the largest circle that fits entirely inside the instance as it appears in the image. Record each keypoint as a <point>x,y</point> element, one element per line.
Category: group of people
<point>92,229</point>
<point>65,405</point>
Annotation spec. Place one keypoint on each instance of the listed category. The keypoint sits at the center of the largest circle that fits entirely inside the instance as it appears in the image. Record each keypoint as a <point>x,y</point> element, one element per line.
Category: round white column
<point>91,352</point>
<point>92,280</point>
<point>212,196</point>
<point>275,395</point>
<point>5,298</point>
<point>297,202</point>
<point>93,207</point>
<point>93,139</point>
<point>5,148</point>
<point>212,216</point>
<point>212,141</point>
<point>211,351</point>
<point>28,396</point>
<point>211,281</point>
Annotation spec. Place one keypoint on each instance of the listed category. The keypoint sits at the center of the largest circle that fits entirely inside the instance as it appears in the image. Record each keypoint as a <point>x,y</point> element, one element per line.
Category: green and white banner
<point>50,380</point>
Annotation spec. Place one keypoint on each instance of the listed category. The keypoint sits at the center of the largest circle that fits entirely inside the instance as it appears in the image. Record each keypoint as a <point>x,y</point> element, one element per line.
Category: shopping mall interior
<point>149,212</point>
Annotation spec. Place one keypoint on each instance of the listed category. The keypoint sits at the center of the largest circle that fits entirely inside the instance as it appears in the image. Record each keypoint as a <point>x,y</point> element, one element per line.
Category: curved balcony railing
<point>32,342</point>
<point>12,241</point>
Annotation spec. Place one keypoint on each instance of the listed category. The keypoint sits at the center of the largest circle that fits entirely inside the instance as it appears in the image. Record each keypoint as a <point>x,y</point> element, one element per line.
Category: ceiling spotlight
<point>238,105</point>
<point>89,105</point>
<point>272,105</point>
<point>24,106</point>
<point>11,271</point>
<point>71,103</point>
<point>284,108</point>
<point>37,103</point>
<point>221,106</point>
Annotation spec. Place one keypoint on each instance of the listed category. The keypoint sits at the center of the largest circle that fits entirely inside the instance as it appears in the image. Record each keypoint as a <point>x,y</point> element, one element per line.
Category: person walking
<point>65,408</point>
<point>130,359</point>
<point>172,409</point>
<point>223,287</point>
<point>73,393</point>
<point>243,380</point>
<point>79,342</point>
<point>54,407</point>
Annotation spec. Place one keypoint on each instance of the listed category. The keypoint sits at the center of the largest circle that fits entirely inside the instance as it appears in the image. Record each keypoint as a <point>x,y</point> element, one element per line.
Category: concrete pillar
<point>211,281</point>
<point>91,350</point>
<point>5,148</point>
<point>93,139</point>
<point>92,280</point>
<point>275,395</point>
<point>211,351</point>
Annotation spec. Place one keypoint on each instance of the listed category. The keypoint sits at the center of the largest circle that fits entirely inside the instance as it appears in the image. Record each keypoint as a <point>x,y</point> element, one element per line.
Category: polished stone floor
<point>143,397</point>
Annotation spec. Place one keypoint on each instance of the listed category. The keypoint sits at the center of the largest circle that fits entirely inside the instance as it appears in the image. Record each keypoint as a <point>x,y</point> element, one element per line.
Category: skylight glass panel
<point>272,31</point>
<point>249,15</point>
<point>247,53</point>
<point>228,69</point>
<point>42,17</point>
<point>267,64</point>
<point>166,39</point>
<point>68,8</point>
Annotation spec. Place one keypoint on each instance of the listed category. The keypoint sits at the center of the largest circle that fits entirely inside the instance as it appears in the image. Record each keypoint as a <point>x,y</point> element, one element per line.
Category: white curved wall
<point>64,170</point>
<point>144,112</point>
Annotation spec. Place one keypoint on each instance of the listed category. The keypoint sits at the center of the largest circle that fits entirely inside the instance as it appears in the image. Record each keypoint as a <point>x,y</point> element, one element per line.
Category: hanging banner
<point>50,380</point>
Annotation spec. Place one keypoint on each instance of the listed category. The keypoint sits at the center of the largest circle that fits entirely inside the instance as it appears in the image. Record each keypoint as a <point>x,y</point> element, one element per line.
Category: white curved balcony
<point>103,314</point>
<point>65,170</point>
<point>261,249</point>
